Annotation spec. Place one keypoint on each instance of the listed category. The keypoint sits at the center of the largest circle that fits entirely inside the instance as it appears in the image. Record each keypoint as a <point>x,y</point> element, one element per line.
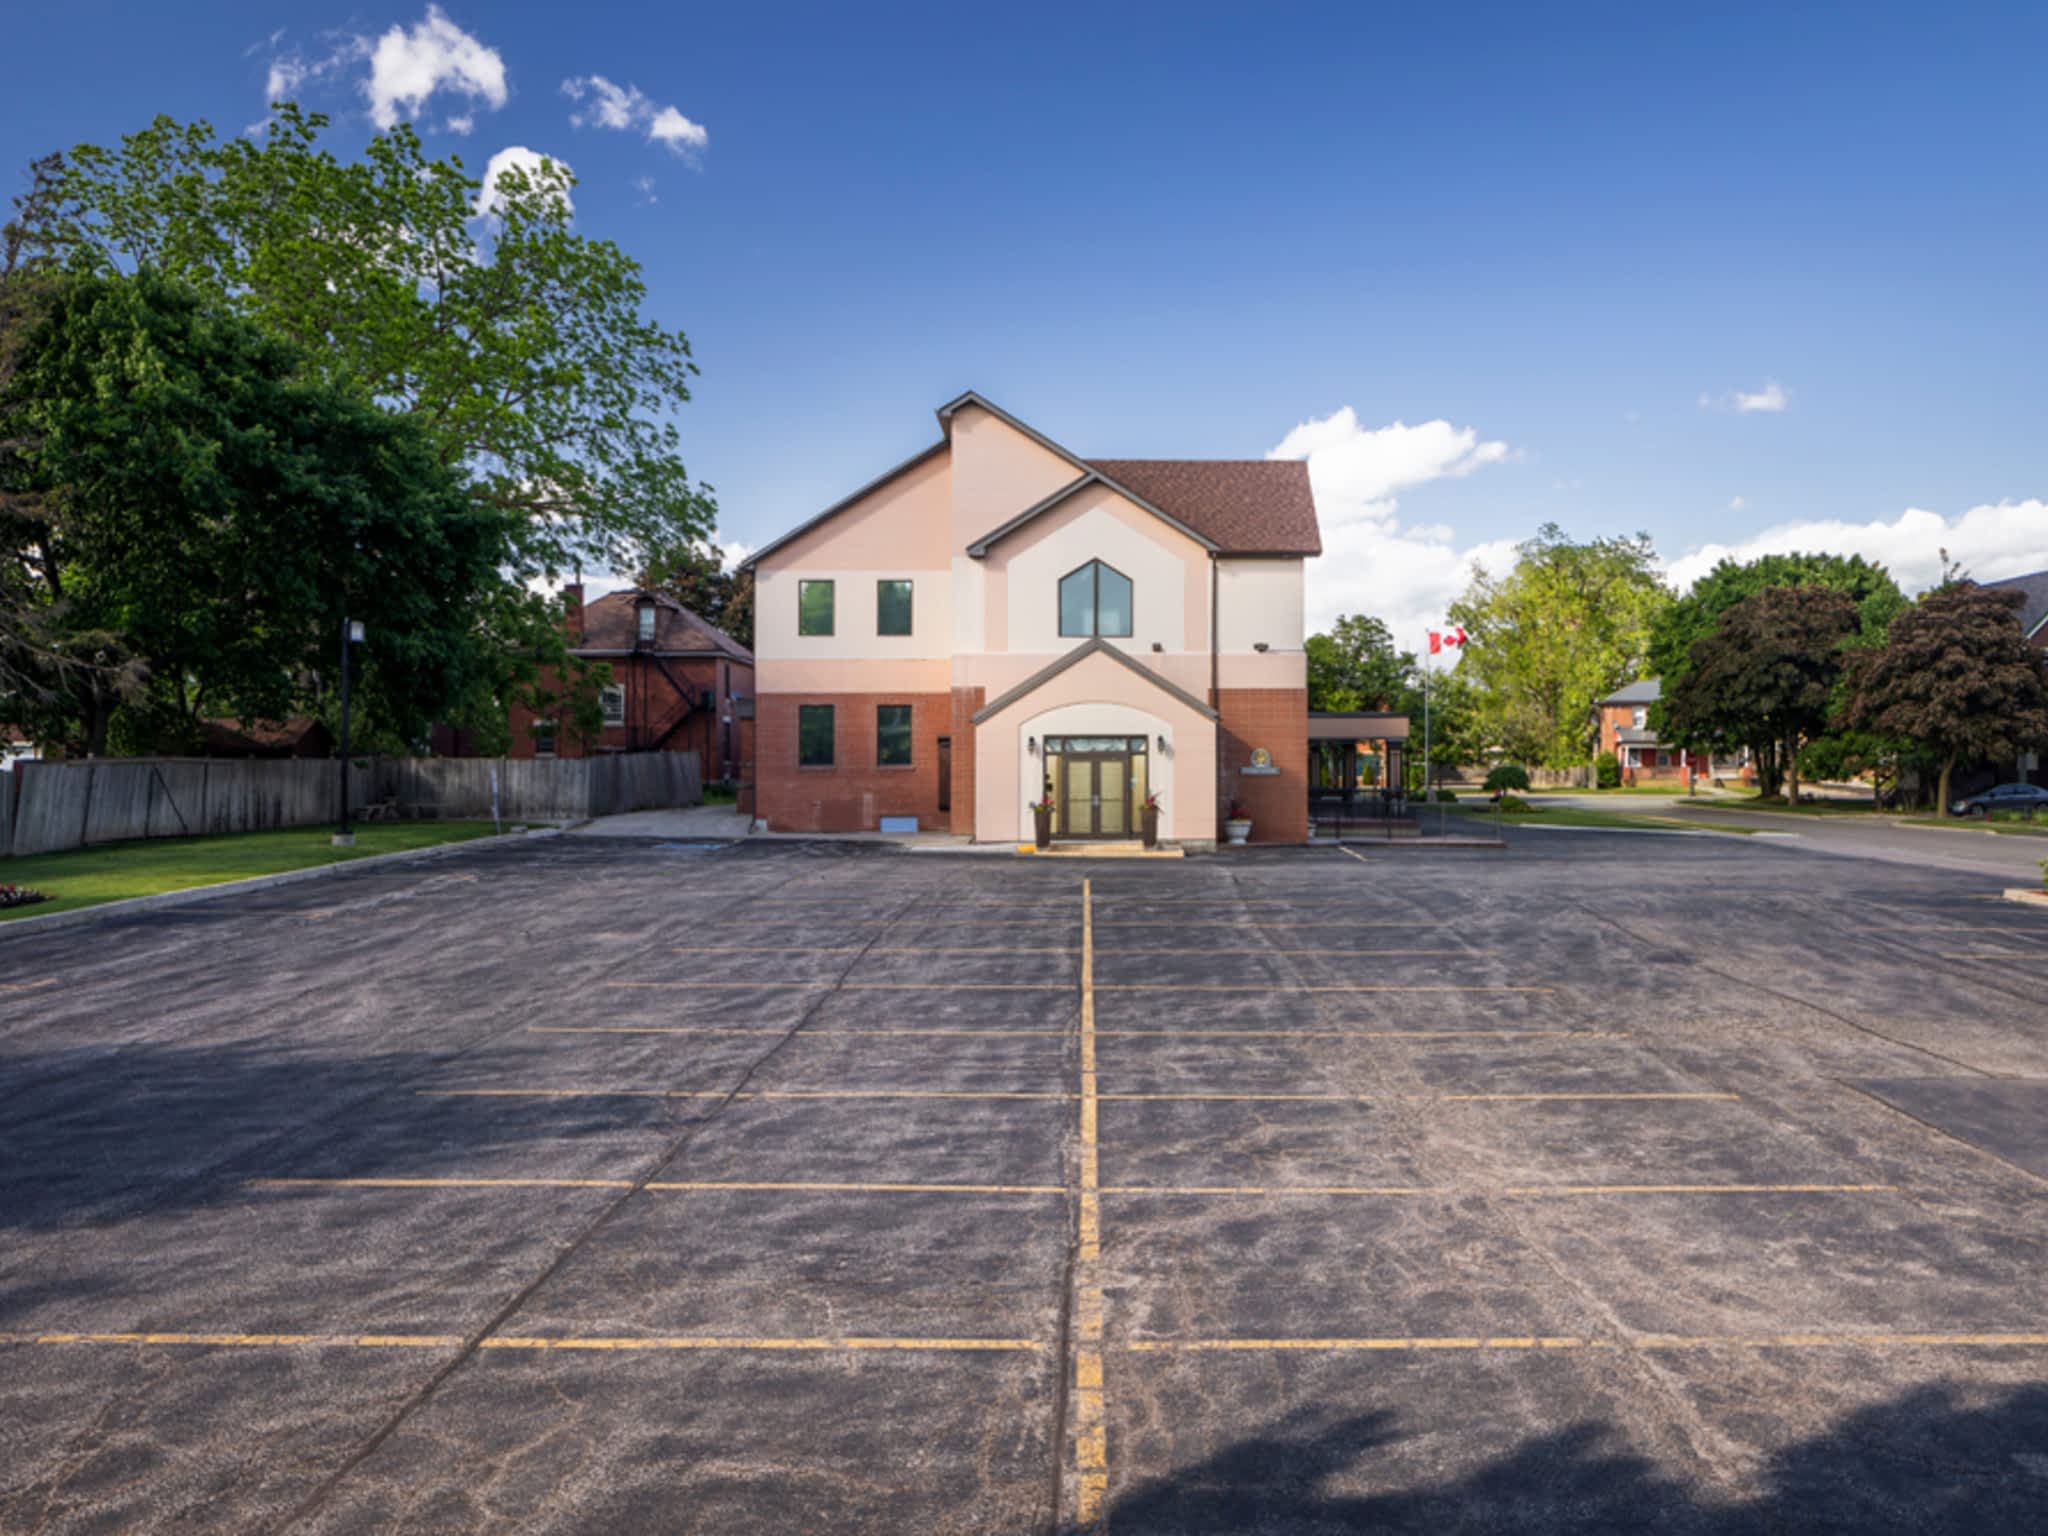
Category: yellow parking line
<point>1518,1191</point>
<point>666,1185</point>
<point>720,1093</point>
<point>1646,1342</point>
<point>1358,856</point>
<point>27,986</point>
<point>876,949</point>
<point>1274,987</point>
<point>816,1034</point>
<point>842,986</point>
<point>1085,1407</point>
<point>1591,1098</point>
<point>854,1343</point>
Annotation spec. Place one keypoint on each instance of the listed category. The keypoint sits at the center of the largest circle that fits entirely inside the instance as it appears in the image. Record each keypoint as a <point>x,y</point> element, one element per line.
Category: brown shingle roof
<point>1242,506</point>
<point>612,623</point>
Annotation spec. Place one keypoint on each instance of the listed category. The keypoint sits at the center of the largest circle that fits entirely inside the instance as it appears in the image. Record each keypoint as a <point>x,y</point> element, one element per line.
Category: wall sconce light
<point>1259,646</point>
<point>1156,646</point>
<point>1162,743</point>
<point>1031,745</point>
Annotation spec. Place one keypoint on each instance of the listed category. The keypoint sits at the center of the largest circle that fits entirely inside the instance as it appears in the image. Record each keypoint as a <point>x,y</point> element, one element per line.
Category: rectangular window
<point>1641,717</point>
<point>892,607</point>
<point>814,607</point>
<point>646,630</point>
<point>613,699</point>
<point>814,735</point>
<point>892,735</point>
<point>543,738</point>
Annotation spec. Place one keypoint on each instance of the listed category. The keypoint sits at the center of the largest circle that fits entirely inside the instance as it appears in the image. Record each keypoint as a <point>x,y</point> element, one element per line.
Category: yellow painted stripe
<point>1358,856</point>
<point>1085,1406</point>
<point>1275,987</point>
<point>720,1093</point>
<point>703,1185</point>
<point>27,986</point>
<point>1645,1342</point>
<point>1518,1191</point>
<point>751,1342</point>
<point>823,1033</point>
<point>1587,1098</point>
<point>513,1342</point>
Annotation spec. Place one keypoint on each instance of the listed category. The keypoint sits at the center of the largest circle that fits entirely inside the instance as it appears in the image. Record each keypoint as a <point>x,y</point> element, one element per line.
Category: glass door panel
<point>1077,803</point>
<point>1110,820</point>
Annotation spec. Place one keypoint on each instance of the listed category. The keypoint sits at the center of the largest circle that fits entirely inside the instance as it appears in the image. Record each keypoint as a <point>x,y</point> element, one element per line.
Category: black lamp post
<point>351,634</point>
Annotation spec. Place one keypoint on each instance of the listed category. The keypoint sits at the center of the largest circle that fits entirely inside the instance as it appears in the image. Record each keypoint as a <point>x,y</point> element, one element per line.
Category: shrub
<point>1507,776</point>
<point>1607,771</point>
<point>1445,797</point>
<point>1514,805</point>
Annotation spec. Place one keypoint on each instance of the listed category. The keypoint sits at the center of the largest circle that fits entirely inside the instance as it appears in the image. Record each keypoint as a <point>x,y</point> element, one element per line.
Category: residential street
<point>1965,849</point>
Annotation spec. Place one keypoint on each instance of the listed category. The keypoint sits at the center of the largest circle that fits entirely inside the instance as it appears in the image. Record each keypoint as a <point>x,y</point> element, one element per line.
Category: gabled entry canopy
<point>1074,658</point>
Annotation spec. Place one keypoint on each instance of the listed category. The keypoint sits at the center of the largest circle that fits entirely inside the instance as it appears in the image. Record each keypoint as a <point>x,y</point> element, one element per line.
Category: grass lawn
<point>86,877</point>
<point>1972,824</point>
<point>1773,808</point>
<point>1576,816</point>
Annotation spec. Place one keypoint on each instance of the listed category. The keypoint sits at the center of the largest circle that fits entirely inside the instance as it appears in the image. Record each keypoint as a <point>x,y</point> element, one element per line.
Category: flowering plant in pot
<point>1041,820</point>
<point>1236,825</point>
<point>1148,820</point>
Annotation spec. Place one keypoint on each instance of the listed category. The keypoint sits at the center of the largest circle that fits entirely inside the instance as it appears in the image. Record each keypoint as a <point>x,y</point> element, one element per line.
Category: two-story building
<point>998,620</point>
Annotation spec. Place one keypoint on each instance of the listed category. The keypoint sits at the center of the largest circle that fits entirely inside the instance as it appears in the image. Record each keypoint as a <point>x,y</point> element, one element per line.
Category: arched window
<point>1095,600</point>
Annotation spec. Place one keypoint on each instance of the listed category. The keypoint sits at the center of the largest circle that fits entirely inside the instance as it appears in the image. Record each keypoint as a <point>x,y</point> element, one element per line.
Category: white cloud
<point>409,67</point>
<point>2005,538</point>
<point>1772,398</point>
<point>517,157</point>
<point>602,104</point>
<point>462,124</point>
<point>1737,503</point>
<point>1370,562</point>
<point>644,185</point>
<point>291,72</point>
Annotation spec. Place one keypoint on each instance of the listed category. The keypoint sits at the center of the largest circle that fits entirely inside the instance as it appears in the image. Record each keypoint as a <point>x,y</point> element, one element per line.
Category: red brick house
<point>1624,719</point>
<point>676,680</point>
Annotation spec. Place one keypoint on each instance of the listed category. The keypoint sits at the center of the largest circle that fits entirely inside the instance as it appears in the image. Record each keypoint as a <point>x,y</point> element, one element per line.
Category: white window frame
<point>607,695</point>
<point>544,745</point>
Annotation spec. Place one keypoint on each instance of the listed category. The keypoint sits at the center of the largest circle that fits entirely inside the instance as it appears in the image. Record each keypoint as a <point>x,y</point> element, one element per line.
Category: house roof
<point>1230,506</point>
<point>1075,657</point>
<point>1648,691</point>
<point>611,627</point>
<point>1242,506</point>
<point>2034,588</point>
<point>1629,736</point>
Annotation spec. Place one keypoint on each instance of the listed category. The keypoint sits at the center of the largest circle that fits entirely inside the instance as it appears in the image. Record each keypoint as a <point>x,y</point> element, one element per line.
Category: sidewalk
<point>696,823</point>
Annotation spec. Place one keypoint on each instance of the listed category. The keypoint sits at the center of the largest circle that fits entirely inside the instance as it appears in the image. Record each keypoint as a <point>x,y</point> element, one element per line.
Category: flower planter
<point>1148,825</point>
<point>1041,825</point>
<point>1237,829</point>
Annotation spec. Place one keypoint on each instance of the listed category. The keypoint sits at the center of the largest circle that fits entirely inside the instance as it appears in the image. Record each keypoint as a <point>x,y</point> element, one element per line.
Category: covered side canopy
<point>1358,725</point>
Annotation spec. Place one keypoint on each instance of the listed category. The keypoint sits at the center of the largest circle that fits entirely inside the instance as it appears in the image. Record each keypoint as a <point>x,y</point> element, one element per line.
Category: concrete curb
<point>81,915</point>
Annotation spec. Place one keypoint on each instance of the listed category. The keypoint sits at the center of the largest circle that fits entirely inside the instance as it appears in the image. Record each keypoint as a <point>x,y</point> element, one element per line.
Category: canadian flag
<point>1438,639</point>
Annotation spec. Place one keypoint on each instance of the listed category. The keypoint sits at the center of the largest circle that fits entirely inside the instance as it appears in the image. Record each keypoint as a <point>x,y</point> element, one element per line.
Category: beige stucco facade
<point>994,672</point>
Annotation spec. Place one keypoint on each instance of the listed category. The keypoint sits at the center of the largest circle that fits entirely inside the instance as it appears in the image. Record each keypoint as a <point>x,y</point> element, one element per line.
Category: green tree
<point>518,345</point>
<point>696,576</point>
<point>216,509</point>
<point>1566,626</point>
<point>1765,678</point>
<point>1958,676</point>
<point>1356,666</point>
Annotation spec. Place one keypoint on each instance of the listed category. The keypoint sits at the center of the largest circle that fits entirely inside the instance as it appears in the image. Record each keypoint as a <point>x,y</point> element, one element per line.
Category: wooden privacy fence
<point>47,807</point>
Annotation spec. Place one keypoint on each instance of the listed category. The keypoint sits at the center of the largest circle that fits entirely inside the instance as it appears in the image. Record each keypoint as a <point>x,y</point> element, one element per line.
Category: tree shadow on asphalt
<point>1925,1461</point>
<point>91,1135</point>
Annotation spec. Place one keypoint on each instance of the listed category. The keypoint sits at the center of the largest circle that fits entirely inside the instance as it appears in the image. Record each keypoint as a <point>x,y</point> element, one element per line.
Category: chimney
<point>572,609</point>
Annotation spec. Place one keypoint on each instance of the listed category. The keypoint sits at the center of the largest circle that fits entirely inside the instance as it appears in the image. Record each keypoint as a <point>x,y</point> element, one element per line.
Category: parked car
<point>2003,797</point>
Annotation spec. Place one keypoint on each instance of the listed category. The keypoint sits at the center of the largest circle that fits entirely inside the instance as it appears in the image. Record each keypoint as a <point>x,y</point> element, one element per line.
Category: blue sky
<point>1563,247</point>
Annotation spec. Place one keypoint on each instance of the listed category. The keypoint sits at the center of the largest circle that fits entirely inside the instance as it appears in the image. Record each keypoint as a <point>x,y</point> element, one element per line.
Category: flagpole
<point>1426,671</point>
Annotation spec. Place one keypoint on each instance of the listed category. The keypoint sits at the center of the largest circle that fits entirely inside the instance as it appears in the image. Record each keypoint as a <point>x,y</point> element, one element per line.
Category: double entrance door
<point>1095,800</point>
<point>1098,784</point>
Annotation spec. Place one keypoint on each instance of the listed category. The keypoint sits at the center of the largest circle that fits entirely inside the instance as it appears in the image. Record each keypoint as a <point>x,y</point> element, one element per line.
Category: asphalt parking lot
<point>1606,1183</point>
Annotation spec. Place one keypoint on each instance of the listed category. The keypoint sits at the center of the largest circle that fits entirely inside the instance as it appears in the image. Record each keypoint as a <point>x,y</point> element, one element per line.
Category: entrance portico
<point>1098,733</point>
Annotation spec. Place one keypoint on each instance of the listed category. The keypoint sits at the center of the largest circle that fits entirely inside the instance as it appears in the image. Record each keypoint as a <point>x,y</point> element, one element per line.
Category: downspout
<point>1215,686</point>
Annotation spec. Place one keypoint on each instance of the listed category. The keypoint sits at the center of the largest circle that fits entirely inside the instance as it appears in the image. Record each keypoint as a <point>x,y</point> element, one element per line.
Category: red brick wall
<point>651,700</point>
<point>1276,719</point>
<point>854,794</point>
<point>965,702</point>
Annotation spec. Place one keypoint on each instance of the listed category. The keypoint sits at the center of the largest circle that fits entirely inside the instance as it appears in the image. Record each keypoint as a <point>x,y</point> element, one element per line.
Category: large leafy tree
<point>1355,665</point>
<point>214,508</point>
<point>1765,678</point>
<point>1692,617</point>
<point>1566,626</point>
<point>520,346</point>
<point>1958,676</point>
<point>696,576</point>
